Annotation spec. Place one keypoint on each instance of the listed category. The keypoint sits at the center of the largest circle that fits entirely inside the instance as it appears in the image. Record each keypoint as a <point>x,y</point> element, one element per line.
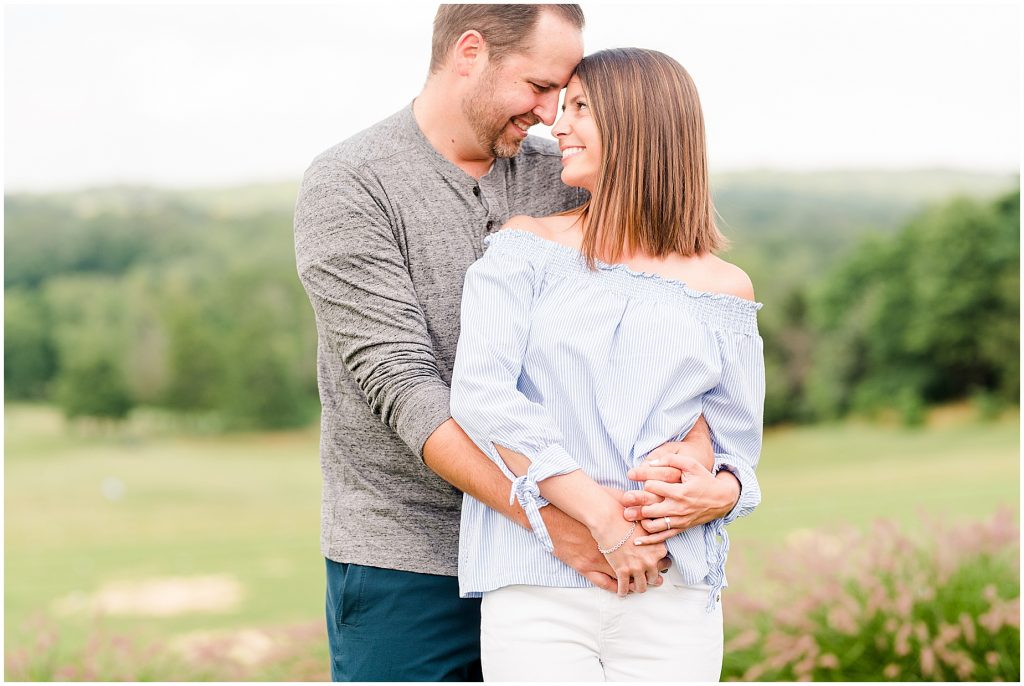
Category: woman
<point>588,339</point>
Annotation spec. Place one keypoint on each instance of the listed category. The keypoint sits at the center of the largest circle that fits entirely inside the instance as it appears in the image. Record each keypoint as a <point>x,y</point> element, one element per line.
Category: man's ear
<point>470,52</point>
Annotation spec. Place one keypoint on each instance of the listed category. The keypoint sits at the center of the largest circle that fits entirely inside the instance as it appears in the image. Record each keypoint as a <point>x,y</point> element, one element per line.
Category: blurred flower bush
<point>877,605</point>
<point>883,605</point>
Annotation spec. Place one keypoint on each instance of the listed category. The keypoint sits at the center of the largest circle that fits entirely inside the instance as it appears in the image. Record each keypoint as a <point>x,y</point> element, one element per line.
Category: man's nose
<point>547,108</point>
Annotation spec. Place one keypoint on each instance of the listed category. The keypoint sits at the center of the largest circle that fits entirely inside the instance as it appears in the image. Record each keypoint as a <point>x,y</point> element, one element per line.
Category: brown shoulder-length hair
<point>652,194</point>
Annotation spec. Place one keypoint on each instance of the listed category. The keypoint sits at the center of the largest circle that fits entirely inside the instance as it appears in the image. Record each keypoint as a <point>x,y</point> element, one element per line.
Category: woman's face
<point>578,139</point>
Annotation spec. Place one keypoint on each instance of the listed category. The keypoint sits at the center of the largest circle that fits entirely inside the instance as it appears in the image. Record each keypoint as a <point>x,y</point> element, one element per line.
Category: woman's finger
<point>654,526</point>
<point>659,537</point>
<point>623,579</point>
<point>640,579</point>
<point>664,490</point>
<point>680,510</point>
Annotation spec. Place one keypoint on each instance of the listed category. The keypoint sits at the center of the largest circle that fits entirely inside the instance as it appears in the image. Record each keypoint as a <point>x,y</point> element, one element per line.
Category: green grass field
<point>87,507</point>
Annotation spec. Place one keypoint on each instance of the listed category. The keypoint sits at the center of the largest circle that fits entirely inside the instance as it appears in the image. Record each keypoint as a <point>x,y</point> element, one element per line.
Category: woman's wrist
<point>730,489</point>
<point>606,523</point>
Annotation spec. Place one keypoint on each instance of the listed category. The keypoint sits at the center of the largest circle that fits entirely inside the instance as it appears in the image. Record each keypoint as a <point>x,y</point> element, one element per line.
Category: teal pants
<point>389,625</point>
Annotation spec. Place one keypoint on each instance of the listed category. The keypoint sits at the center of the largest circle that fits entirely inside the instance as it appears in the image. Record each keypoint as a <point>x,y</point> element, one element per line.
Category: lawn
<point>88,507</point>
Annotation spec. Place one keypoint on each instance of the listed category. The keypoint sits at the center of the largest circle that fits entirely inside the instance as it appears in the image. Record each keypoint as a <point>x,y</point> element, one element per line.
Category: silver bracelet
<point>609,551</point>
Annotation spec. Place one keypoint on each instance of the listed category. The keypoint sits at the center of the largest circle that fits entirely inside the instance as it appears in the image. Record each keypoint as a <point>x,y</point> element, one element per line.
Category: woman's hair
<point>506,28</point>
<point>652,194</point>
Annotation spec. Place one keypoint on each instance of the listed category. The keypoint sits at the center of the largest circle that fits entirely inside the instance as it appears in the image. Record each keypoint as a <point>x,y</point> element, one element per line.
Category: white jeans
<point>537,633</point>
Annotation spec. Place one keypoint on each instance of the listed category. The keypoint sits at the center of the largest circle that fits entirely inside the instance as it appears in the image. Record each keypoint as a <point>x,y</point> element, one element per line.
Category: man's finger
<point>646,472</point>
<point>603,581</point>
<point>638,498</point>
<point>681,461</point>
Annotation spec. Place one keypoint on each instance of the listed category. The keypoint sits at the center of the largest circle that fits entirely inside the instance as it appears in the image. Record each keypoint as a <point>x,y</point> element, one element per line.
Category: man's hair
<point>505,28</point>
<point>652,194</point>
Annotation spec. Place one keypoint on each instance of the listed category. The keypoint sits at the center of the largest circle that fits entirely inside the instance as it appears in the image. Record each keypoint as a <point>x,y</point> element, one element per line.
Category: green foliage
<point>929,315</point>
<point>125,297</point>
<point>883,606</point>
<point>30,359</point>
<point>93,388</point>
<point>191,300</point>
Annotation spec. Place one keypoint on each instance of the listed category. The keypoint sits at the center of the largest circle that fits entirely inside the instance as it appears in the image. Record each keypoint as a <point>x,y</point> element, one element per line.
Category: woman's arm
<point>585,500</point>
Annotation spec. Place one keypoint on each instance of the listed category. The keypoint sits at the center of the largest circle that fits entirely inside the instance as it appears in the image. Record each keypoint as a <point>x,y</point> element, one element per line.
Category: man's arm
<point>367,311</point>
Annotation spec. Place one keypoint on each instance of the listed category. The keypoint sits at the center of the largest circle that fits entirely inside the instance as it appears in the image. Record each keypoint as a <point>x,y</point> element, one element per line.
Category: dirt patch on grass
<point>157,597</point>
<point>246,647</point>
<point>296,652</point>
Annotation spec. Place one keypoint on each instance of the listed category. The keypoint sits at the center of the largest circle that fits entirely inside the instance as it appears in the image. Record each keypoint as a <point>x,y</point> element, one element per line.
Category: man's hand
<point>679,493</point>
<point>696,444</point>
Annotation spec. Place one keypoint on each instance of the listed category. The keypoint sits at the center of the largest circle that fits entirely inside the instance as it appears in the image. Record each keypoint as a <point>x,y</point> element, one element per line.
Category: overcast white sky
<point>195,95</point>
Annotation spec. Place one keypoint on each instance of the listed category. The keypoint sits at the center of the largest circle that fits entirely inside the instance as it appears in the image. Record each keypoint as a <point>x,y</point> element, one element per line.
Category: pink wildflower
<point>745,640</point>
<point>891,671</point>
<point>902,643</point>
<point>967,625</point>
<point>927,662</point>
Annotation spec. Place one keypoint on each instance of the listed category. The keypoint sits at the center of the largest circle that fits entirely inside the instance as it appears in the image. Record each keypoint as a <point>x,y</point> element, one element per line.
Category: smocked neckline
<point>572,253</point>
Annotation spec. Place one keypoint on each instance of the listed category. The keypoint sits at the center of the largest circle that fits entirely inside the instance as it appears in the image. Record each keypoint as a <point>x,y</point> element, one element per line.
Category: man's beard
<point>479,108</point>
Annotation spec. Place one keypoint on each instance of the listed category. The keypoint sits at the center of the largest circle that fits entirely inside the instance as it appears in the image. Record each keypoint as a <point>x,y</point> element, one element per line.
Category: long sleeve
<point>485,401</point>
<point>366,306</point>
<point>734,410</point>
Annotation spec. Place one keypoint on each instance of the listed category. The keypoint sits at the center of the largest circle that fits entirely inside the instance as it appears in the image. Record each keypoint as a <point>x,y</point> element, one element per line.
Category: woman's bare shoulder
<point>524,222</point>
<point>557,227</point>
<point>731,279</point>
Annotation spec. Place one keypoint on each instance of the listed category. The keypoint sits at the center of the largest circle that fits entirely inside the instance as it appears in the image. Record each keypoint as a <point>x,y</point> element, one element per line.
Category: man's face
<point>522,89</point>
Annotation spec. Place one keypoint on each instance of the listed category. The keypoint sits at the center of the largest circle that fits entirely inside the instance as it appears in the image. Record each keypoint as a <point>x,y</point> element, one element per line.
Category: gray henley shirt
<point>385,229</point>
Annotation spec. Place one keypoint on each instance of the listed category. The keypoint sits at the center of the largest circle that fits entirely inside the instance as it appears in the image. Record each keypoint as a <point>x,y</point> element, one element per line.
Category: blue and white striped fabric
<point>581,369</point>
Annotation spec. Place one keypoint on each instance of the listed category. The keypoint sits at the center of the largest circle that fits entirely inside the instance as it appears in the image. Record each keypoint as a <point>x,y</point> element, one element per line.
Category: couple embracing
<point>542,392</point>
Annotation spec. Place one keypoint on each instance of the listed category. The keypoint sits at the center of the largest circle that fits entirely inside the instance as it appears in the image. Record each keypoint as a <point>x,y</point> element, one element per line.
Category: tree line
<point>191,303</point>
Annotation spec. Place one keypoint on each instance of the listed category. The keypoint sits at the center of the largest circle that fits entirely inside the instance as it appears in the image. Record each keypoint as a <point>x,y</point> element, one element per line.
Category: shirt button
<point>476,191</point>
<point>490,226</point>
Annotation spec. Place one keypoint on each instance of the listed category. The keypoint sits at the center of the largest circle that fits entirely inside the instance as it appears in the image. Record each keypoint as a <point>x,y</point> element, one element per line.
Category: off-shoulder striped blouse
<point>581,369</point>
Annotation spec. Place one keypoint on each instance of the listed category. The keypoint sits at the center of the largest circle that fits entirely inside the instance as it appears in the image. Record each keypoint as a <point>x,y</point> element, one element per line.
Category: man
<point>386,225</point>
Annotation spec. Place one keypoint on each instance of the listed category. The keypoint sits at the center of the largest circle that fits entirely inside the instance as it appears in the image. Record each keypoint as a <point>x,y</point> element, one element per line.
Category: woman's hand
<point>669,505</point>
<point>635,566</point>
